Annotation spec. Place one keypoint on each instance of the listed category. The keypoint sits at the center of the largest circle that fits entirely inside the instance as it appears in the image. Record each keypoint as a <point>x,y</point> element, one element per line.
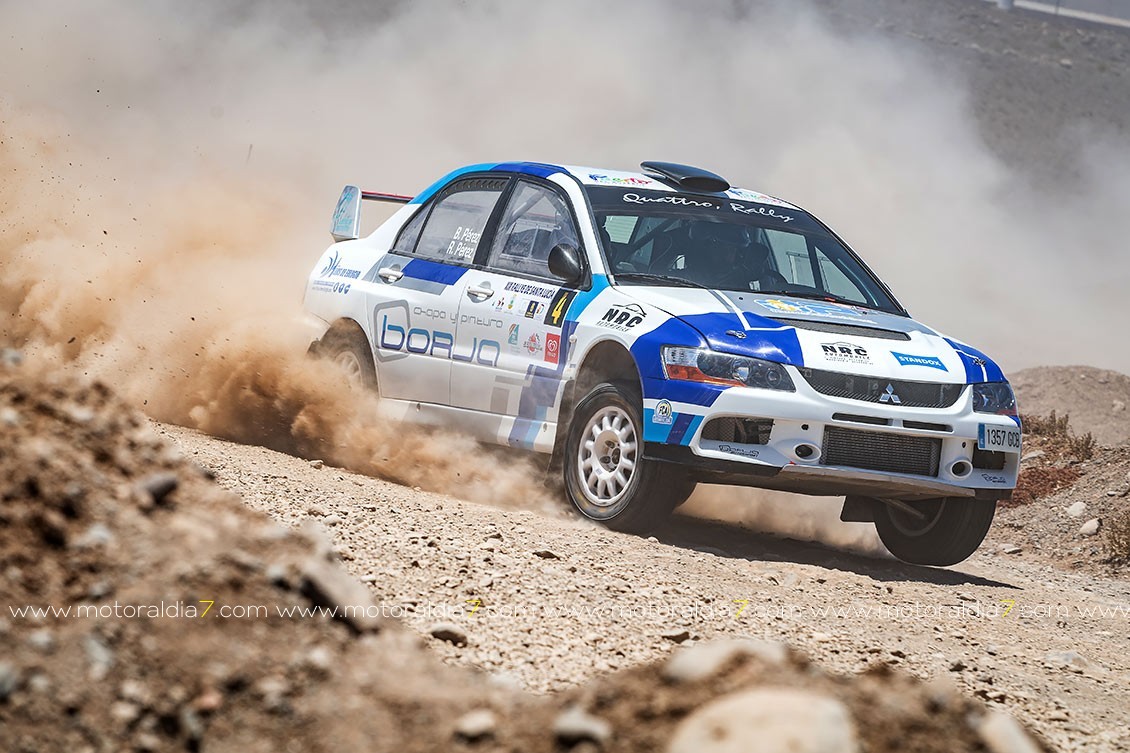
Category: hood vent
<point>844,329</point>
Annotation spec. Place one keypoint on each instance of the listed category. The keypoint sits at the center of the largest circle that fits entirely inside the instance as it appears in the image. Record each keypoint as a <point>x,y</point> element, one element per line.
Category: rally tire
<point>347,347</point>
<point>951,531</point>
<point>607,477</point>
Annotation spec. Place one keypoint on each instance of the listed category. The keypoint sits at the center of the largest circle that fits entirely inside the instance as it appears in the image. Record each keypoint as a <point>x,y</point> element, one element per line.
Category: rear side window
<point>456,223</point>
<point>410,233</point>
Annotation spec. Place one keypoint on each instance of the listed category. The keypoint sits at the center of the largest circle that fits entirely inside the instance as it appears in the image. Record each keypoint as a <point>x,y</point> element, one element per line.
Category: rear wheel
<point>941,531</point>
<point>347,347</point>
<point>607,477</point>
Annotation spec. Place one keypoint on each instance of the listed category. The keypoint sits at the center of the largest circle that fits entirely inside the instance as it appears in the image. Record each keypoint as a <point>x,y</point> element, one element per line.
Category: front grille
<point>894,392</point>
<point>844,329</point>
<point>873,420</point>
<point>926,426</point>
<point>875,451</point>
<point>738,430</point>
<point>988,460</point>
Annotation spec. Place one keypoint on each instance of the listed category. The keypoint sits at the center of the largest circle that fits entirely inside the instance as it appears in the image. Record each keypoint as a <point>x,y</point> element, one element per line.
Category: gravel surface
<point>546,603</point>
<point>146,609</point>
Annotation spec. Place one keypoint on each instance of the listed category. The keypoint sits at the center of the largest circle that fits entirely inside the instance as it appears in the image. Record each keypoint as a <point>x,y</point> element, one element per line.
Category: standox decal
<point>929,362</point>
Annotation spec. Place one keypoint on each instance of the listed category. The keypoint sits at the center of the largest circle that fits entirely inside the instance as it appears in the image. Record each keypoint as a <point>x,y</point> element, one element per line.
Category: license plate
<point>999,438</point>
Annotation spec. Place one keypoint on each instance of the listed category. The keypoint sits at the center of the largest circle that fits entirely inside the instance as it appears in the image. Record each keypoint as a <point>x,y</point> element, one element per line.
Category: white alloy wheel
<point>350,365</point>
<point>607,456</point>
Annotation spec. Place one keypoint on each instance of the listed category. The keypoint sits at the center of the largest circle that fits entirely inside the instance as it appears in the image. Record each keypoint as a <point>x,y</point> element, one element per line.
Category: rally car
<point>656,329</point>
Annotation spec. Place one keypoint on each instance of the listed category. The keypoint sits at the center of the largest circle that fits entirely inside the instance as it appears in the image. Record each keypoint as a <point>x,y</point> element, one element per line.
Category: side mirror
<point>565,262</point>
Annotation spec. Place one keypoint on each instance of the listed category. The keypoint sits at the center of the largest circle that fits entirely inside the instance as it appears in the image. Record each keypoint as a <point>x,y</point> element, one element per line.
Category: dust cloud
<point>794,516</point>
<point>169,170</point>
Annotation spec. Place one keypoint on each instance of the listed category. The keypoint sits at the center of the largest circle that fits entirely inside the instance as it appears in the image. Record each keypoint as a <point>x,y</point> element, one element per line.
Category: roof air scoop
<point>685,176</point>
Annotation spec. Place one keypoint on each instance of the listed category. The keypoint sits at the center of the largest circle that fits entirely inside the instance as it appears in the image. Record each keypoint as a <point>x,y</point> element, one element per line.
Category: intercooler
<point>881,451</point>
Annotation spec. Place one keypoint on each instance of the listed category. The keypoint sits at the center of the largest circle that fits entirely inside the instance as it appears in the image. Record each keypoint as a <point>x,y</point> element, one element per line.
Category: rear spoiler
<point>346,225</point>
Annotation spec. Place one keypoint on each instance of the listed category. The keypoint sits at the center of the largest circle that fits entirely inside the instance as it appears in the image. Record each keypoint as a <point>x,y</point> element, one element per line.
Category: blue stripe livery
<point>431,271</point>
<point>764,338</point>
<point>978,366</point>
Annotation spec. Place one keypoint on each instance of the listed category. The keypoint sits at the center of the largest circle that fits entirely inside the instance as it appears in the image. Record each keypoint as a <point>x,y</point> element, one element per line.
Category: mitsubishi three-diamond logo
<point>889,396</point>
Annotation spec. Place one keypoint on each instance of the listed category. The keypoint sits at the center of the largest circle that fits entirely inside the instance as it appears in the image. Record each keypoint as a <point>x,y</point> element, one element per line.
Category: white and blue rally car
<point>652,330</point>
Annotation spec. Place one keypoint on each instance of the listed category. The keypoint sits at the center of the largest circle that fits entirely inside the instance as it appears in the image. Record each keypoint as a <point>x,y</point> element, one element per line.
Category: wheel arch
<point>340,328</point>
<point>605,361</point>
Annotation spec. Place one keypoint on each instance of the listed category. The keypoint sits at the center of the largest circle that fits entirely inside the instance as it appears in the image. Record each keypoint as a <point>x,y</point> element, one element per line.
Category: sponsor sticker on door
<point>553,349</point>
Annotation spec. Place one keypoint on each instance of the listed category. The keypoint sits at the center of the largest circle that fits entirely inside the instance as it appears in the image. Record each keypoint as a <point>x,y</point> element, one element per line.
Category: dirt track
<point>559,601</point>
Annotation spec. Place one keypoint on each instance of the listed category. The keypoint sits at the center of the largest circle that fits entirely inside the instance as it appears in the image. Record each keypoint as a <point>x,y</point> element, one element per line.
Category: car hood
<point>820,335</point>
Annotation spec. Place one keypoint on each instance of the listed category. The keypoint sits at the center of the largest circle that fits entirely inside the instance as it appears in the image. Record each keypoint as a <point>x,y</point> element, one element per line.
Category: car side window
<point>456,223</point>
<point>536,219</point>
<point>410,233</point>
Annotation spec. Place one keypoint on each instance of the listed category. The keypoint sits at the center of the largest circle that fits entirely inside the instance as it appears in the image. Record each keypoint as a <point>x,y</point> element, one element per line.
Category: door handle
<point>390,274</point>
<point>480,293</point>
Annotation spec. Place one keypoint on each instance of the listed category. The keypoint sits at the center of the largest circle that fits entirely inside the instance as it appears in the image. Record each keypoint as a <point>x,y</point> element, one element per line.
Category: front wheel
<point>940,531</point>
<point>607,477</point>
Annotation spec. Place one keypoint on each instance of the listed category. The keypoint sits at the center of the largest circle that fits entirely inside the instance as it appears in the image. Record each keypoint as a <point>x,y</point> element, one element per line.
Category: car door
<point>512,309</point>
<point>417,287</point>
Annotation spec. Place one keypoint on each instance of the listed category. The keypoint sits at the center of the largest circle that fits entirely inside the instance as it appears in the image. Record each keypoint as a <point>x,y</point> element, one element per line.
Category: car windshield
<point>659,237</point>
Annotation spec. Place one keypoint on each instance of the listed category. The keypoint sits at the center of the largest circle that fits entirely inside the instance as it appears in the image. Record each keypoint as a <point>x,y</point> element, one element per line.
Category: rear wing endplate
<point>346,225</point>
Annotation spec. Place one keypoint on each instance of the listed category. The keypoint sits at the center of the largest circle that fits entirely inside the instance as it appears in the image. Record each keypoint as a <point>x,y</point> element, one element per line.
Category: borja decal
<point>397,338</point>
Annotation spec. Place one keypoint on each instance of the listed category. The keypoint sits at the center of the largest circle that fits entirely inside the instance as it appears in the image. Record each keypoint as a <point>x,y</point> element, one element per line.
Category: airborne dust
<point>169,171</point>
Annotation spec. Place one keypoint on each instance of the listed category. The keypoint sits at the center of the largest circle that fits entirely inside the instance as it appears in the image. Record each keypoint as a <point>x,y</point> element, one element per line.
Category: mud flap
<point>858,510</point>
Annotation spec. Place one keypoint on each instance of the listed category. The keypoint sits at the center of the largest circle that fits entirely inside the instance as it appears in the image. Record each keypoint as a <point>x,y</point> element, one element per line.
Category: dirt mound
<point>137,556</point>
<point>1095,399</point>
<point>1068,510</point>
<point>1071,507</point>
<point>132,588</point>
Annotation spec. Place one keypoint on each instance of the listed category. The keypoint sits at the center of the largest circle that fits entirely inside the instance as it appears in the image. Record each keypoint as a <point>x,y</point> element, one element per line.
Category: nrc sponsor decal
<point>929,362</point>
<point>622,316</point>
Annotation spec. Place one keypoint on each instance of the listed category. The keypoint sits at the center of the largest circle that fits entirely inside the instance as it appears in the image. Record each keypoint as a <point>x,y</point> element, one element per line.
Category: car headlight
<point>705,365</point>
<point>994,397</point>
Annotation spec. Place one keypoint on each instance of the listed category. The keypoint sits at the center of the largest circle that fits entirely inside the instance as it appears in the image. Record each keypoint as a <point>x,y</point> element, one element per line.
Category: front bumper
<point>826,445</point>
